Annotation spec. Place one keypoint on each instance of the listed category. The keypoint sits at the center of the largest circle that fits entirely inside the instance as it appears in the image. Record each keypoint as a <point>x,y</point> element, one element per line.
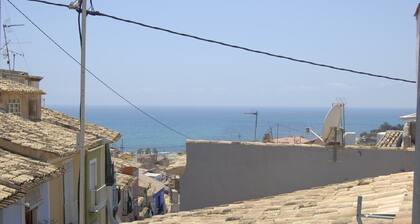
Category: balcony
<point>97,199</point>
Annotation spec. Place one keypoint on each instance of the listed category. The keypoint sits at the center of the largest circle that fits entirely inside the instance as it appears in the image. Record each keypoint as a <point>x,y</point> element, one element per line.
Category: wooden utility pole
<point>81,137</point>
<point>415,213</point>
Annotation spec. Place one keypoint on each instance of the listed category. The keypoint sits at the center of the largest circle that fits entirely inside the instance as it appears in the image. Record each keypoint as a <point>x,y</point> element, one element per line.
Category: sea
<point>222,123</point>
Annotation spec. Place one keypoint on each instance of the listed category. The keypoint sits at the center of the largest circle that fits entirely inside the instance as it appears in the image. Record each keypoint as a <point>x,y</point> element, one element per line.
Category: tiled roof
<point>330,204</point>
<point>123,180</point>
<point>121,163</point>
<point>391,139</point>
<point>61,119</point>
<point>19,174</point>
<point>151,184</point>
<point>5,73</point>
<point>177,164</point>
<point>290,140</point>
<point>8,196</point>
<point>40,136</point>
<point>15,87</point>
<point>6,192</point>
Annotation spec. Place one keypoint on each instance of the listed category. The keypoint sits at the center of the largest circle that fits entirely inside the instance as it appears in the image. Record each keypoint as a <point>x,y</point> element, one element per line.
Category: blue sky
<point>154,68</point>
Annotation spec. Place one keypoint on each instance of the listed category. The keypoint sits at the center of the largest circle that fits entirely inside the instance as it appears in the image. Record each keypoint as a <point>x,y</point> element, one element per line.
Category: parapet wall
<point>220,172</point>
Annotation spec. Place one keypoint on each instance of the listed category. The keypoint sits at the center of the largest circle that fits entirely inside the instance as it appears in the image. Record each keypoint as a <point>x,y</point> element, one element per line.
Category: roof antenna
<point>14,53</point>
<point>6,43</point>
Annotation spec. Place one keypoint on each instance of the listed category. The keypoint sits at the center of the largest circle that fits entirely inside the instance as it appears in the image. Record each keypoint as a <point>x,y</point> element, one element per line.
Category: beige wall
<point>57,189</point>
<point>225,172</point>
<point>56,200</point>
<point>21,77</point>
<point>24,103</point>
<point>97,153</point>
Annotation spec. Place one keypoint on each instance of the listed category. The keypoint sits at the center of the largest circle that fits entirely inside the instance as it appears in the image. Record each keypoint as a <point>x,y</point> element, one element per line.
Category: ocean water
<point>222,123</point>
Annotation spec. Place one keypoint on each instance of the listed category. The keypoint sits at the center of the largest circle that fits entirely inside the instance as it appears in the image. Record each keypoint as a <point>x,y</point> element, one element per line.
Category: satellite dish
<point>333,120</point>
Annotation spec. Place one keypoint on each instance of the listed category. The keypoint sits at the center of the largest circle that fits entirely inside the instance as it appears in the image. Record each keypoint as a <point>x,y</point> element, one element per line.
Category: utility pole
<point>82,116</point>
<point>277,133</point>
<point>256,123</point>
<point>415,213</point>
<point>1,1</point>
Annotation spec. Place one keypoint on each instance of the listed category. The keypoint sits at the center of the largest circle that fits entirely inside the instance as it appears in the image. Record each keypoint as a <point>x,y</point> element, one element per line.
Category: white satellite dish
<point>332,121</point>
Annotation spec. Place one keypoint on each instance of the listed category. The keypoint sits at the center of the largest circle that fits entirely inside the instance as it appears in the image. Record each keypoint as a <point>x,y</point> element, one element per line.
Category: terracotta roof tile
<point>121,163</point>
<point>61,119</point>
<point>123,180</point>
<point>390,139</point>
<point>151,184</point>
<point>19,174</point>
<point>19,169</point>
<point>41,136</point>
<point>9,196</point>
<point>334,203</point>
<point>15,87</point>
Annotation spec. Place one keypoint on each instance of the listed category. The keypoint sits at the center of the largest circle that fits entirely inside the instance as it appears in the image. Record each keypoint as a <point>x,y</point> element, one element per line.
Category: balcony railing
<point>97,199</point>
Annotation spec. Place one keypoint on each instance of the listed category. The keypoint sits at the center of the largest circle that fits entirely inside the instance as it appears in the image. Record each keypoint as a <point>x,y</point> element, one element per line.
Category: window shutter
<point>92,175</point>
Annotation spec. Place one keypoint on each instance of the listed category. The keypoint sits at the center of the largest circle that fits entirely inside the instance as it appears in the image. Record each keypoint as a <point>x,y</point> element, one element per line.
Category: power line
<point>97,78</point>
<point>97,13</point>
<point>50,3</point>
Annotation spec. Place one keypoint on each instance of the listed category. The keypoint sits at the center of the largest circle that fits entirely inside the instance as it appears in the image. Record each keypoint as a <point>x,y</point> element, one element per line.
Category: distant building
<point>290,140</point>
<point>127,201</point>
<point>154,193</point>
<point>409,130</point>
<point>128,191</point>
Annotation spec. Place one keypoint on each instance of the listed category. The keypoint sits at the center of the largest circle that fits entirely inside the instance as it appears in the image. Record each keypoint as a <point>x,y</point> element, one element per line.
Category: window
<point>129,203</point>
<point>31,216</point>
<point>70,210</point>
<point>92,175</point>
<point>14,106</point>
<point>33,109</point>
<point>109,167</point>
<point>92,182</point>
<point>124,202</point>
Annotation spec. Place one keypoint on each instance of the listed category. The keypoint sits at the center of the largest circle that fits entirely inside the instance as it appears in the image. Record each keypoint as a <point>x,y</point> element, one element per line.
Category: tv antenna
<point>256,123</point>
<point>5,27</point>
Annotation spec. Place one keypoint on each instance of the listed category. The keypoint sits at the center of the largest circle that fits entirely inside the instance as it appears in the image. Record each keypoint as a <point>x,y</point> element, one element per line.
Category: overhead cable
<point>98,78</point>
<point>225,44</point>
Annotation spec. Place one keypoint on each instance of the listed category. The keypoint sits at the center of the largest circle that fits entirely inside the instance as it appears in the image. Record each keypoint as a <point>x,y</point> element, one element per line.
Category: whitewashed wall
<point>13,214</point>
<point>43,211</point>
